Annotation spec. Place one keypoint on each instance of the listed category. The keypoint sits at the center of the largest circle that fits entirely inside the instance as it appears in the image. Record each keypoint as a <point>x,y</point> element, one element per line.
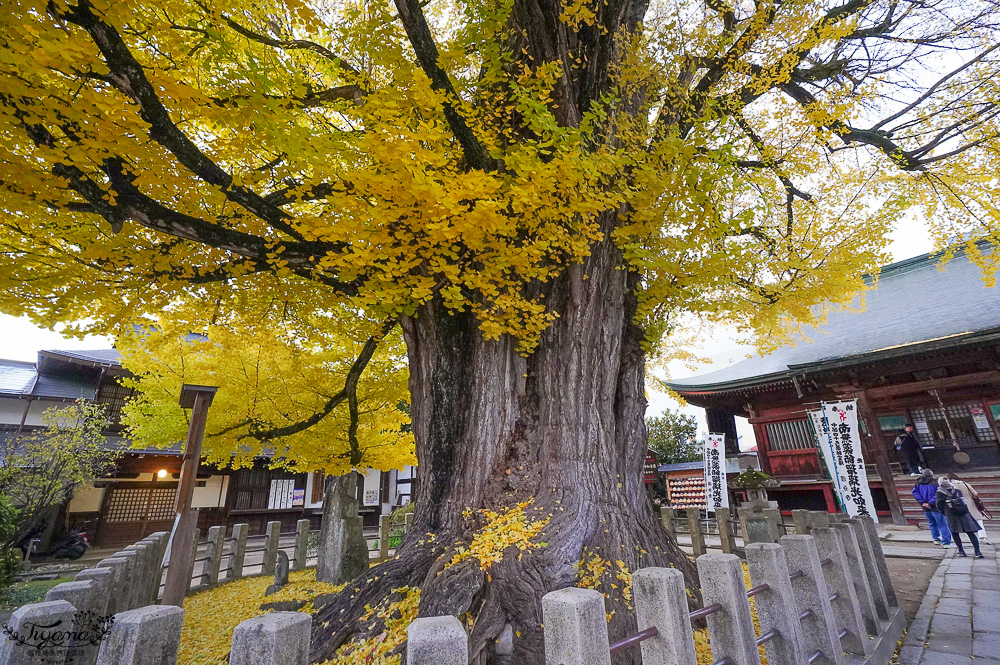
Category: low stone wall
<point>823,596</point>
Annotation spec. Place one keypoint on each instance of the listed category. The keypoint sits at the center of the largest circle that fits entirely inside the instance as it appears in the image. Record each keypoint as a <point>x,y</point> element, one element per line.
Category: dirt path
<point>910,578</point>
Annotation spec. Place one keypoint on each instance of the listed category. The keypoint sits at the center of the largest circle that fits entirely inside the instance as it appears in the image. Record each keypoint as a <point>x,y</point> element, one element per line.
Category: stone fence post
<point>276,638</point>
<point>118,596</point>
<point>383,537</point>
<point>147,636</point>
<point>820,633</point>
<point>215,542</point>
<point>694,526</point>
<point>757,529</point>
<point>576,627</point>
<point>145,562</point>
<point>818,519</point>
<point>776,606</point>
<point>81,595</point>
<point>800,518</point>
<point>730,629</point>
<point>271,537</point>
<point>22,622</point>
<point>661,602</point>
<point>407,522</point>
<point>301,544</point>
<point>723,519</point>
<point>871,531</point>
<point>856,571</point>
<point>846,613</point>
<point>870,569</point>
<point>239,552</point>
<point>773,516</point>
<point>667,519</point>
<point>437,641</point>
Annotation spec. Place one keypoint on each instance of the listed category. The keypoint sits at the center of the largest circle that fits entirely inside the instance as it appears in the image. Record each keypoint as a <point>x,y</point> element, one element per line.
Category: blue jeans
<point>939,526</point>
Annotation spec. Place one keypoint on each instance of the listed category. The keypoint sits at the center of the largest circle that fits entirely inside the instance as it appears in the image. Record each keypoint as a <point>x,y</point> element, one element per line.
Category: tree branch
<point>412,14</point>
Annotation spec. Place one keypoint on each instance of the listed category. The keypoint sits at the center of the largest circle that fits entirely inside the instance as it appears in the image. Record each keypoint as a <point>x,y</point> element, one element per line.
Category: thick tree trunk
<point>563,427</point>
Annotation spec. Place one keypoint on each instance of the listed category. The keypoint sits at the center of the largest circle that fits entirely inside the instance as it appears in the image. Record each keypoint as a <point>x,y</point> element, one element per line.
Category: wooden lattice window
<point>140,504</point>
<point>791,435</point>
<point>113,395</point>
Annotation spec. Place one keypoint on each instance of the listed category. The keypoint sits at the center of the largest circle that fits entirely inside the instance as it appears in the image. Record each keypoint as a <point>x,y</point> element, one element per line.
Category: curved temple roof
<point>917,305</point>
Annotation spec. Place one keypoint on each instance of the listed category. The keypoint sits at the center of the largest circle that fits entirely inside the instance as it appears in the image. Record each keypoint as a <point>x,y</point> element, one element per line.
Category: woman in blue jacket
<point>925,492</point>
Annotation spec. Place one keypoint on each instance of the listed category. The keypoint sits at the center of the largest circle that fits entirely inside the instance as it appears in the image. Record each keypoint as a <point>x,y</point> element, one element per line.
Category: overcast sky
<point>20,340</point>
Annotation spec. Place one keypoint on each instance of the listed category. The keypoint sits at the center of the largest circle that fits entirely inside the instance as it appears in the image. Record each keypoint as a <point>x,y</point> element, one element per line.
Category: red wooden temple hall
<point>925,350</point>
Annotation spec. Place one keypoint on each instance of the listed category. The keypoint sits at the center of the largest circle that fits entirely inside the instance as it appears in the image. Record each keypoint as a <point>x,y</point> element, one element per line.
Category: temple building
<point>923,348</point>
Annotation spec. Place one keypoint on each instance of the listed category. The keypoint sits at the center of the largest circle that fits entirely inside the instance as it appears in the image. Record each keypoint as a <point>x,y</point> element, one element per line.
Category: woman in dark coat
<point>952,505</point>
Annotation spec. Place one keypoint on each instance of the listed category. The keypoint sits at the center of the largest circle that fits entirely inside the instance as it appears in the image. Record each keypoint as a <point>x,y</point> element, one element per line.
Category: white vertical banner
<point>839,428</point>
<point>716,489</point>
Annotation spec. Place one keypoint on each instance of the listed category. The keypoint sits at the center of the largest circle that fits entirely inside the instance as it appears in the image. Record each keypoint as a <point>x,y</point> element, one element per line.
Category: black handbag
<point>958,506</point>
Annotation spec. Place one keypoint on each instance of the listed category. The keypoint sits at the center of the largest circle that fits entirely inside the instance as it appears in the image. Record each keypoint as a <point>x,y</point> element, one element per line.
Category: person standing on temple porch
<point>925,492</point>
<point>908,444</point>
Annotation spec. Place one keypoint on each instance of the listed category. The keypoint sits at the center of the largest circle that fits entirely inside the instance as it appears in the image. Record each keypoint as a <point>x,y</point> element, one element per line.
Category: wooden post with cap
<point>180,551</point>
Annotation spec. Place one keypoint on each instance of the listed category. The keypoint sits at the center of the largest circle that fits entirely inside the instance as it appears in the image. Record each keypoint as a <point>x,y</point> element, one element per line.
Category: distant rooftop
<point>916,306</point>
<point>53,375</point>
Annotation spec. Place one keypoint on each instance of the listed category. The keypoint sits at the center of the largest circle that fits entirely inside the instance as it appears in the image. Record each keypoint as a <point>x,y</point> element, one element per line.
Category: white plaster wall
<point>213,494</point>
<point>86,500</point>
<point>12,410</point>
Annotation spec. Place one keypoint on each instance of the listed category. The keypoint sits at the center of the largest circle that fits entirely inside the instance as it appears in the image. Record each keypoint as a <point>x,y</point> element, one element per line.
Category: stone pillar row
<point>822,596</point>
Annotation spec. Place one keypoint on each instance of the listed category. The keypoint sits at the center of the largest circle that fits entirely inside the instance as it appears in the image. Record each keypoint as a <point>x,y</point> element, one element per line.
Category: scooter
<point>70,545</point>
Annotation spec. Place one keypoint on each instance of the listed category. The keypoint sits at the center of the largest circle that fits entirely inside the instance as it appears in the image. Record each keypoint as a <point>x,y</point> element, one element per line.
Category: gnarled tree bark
<point>564,427</point>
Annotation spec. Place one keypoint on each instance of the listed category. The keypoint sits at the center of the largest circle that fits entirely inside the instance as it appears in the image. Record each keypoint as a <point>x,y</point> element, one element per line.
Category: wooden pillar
<point>723,421</point>
<point>180,552</point>
<point>876,447</point>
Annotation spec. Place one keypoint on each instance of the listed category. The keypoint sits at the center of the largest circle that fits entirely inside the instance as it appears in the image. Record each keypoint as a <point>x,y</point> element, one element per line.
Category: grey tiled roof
<point>682,466</point>
<point>16,377</point>
<point>102,356</point>
<point>915,303</point>
<point>65,386</point>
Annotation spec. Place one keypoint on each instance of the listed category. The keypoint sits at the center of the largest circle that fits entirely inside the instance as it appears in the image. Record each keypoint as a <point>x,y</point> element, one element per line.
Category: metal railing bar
<point>769,635</point>
<point>705,611</point>
<point>632,640</point>
<point>758,590</point>
<point>724,661</point>
<point>842,634</point>
<point>806,615</point>
<point>834,596</point>
<point>826,562</point>
<point>796,575</point>
<point>814,656</point>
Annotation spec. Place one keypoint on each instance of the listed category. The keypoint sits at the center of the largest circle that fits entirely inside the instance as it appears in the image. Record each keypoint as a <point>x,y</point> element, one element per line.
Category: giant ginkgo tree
<point>533,192</point>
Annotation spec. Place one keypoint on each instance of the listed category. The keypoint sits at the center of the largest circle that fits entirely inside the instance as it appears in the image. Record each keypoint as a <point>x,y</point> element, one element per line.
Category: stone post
<point>275,638</point>
<point>147,551</point>
<point>189,578</point>
<point>343,550</point>
<point>272,534</point>
<point>856,570</point>
<point>119,583</point>
<point>820,631</point>
<point>437,641</point>
<point>576,627</point>
<point>846,612</point>
<point>667,519</point>
<point>742,513</point>
<point>407,522</point>
<point>236,559</point>
<point>661,602</point>
<point>55,613</point>
<point>147,636</point>
<point>694,526</point>
<point>383,537</point>
<point>819,519</point>
<point>133,575</point>
<point>160,540</point>
<point>730,629</point>
<point>216,542</point>
<point>776,607</point>
<point>871,531</point>
<point>869,571</point>
<point>301,544</point>
<point>80,595</point>
<point>758,529</point>
<point>800,518</point>
<point>102,579</point>
<point>723,518</point>
<point>773,517</point>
